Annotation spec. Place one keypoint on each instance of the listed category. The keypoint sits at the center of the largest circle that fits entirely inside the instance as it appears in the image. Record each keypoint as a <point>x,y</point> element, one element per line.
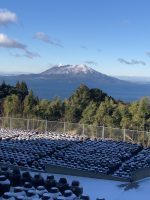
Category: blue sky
<point>112,36</point>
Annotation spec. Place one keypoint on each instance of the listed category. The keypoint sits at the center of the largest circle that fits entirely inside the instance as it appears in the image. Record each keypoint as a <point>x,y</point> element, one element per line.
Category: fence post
<point>27,124</point>
<point>45,125</point>
<point>10,125</point>
<point>148,139</point>
<point>103,132</point>
<point>33,124</point>
<point>124,134</point>
<point>2,122</point>
<point>64,127</point>
<point>83,131</point>
<point>96,132</point>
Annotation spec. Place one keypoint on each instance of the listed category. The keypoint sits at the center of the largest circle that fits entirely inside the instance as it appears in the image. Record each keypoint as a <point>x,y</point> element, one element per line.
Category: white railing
<point>91,131</point>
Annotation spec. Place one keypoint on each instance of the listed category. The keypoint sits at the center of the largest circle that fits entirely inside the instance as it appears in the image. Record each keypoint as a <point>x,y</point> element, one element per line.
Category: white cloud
<point>30,54</point>
<point>7,17</point>
<point>6,42</point>
<point>131,62</point>
<point>45,38</point>
<point>90,62</point>
<point>42,36</point>
<point>27,54</point>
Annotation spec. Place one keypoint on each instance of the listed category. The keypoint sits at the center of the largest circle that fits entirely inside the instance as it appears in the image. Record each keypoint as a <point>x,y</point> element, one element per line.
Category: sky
<point>111,36</point>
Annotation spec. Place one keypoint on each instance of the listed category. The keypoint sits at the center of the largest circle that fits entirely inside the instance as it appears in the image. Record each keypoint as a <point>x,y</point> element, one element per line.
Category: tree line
<point>85,105</point>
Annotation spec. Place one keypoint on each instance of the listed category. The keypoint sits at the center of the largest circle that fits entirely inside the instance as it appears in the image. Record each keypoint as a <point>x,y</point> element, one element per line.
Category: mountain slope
<point>69,69</point>
<point>62,80</point>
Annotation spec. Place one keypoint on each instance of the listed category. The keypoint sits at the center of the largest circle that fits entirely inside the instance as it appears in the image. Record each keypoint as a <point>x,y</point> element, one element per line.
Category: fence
<point>91,131</point>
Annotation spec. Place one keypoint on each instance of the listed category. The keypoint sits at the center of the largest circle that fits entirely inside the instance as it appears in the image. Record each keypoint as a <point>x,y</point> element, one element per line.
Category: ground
<point>111,190</point>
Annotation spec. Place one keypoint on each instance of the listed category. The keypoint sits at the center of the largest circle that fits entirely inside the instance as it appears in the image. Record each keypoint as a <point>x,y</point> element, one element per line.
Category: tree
<point>18,85</point>
<point>55,110</point>
<point>3,85</point>
<point>97,95</point>
<point>104,113</point>
<point>135,118</point>
<point>117,115</point>
<point>29,105</point>
<point>89,113</point>
<point>144,112</point>
<point>72,114</point>
<point>24,88</point>
<point>77,103</point>
<point>42,109</point>
<point>11,106</point>
<point>21,90</point>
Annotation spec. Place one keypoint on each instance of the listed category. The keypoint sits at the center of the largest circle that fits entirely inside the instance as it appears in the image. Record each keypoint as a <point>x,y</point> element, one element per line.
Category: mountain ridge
<point>62,81</point>
<point>69,69</point>
<point>77,71</point>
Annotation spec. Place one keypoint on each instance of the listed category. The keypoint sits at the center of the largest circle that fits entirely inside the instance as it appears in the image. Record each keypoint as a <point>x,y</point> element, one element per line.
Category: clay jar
<point>4,184</point>
<point>8,195</point>
<point>15,177</point>
<point>26,177</point>
<point>37,180</point>
<point>84,197</point>
<point>50,182</point>
<point>63,185</point>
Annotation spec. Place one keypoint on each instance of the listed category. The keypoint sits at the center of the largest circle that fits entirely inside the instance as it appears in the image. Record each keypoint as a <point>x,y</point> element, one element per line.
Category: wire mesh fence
<point>54,126</point>
<point>91,131</point>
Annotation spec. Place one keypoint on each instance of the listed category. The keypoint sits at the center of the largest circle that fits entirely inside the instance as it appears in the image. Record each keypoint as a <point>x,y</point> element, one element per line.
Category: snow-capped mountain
<point>62,80</point>
<point>69,69</point>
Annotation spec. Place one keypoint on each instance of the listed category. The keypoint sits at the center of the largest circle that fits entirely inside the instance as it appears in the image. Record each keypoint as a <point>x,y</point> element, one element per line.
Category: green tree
<point>77,103</point>
<point>21,90</point>
<point>104,113</point>
<point>55,110</point>
<point>42,109</point>
<point>97,95</point>
<point>29,105</point>
<point>135,118</point>
<point>11,106</point>
<point>144,112</point>
<point>89,113</point>
<point>117,115</point>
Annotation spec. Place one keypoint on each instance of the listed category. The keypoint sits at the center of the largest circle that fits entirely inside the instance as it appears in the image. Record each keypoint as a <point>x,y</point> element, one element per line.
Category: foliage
<point>88,106</point>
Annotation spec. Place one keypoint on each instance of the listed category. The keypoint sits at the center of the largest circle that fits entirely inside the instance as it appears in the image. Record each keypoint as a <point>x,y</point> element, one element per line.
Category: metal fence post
<point>148,139</point>
<point>10,125</point>
<point>83,131</point>
<point>64,127</point>
<point>103,132</point>
<point>2,123</point>
<point>124,134</point>
<point>33,124</point>
<point>96,132</point>
<point>27,124</point>
<point>2,126</point>
<point>45,125</point>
